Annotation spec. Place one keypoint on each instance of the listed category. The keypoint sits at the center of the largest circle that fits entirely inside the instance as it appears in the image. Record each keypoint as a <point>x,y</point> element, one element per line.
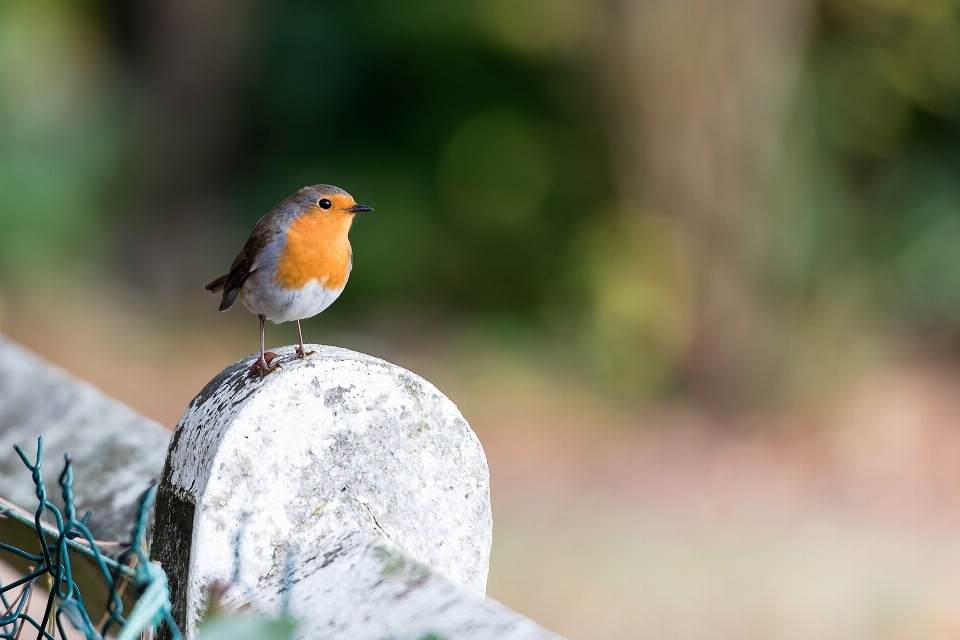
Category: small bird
<point>295,263</point>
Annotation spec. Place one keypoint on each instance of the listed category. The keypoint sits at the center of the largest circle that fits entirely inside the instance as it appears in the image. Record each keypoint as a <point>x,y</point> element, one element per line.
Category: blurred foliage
<point>246,627</point>
<point>878,208</point>
<point>479,147</point>
<point>60,135</point>
<point>638,326</point>
<point>489,136</point>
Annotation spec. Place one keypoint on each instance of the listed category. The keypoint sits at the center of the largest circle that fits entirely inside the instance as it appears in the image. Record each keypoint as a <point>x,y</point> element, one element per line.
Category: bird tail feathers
<point>218,286</point>
<point>229,297</point>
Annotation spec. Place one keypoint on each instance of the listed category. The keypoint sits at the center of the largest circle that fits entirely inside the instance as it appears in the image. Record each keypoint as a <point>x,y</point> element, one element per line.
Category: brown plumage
<point>244,264</point>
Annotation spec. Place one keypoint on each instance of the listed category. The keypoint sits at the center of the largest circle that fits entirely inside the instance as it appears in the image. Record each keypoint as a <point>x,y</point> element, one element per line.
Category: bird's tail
<point>216,286</point>
<point>229,297</point>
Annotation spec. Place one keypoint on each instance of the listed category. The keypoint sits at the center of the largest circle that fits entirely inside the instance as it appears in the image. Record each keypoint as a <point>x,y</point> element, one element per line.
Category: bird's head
<point>330,201</point>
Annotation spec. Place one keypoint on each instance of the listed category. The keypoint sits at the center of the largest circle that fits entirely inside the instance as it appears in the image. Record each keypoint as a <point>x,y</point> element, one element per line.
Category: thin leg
<point>263,333</point>
<point>301,350</point>
<point>262,366</point>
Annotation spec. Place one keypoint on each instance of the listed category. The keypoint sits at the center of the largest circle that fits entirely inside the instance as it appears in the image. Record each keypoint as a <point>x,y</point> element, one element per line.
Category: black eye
<point>324,203</point>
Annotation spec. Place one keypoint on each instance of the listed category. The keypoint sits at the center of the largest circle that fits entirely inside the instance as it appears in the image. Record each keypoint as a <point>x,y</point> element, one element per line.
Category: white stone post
<point>343,489</point>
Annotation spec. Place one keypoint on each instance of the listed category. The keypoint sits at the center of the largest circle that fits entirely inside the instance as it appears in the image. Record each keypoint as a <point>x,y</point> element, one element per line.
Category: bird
<point>295,264</point>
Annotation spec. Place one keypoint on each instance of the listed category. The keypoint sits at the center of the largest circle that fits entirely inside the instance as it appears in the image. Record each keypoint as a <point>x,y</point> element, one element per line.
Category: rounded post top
<point>277,470</point>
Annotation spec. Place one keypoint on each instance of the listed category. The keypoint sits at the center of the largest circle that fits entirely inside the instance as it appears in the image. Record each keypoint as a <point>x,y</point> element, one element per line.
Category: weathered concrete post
<point>116,452</point>
<point>342,488</point>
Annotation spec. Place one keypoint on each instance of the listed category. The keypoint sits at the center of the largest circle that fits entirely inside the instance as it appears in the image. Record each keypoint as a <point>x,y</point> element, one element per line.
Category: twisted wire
<point>64,602</point>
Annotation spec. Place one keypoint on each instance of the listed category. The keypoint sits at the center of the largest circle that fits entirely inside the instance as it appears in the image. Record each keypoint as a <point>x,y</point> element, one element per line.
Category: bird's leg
<point>301,351</point>
<point>262,366</point>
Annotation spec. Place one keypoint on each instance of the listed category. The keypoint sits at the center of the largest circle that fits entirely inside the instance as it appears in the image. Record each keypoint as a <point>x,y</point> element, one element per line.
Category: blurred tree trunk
<point>701,90</point>
<point>189,55</point>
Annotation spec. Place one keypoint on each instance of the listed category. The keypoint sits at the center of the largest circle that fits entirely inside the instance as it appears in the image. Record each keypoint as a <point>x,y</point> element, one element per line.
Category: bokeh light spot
<point>537,27</point>
<point>496,171</point>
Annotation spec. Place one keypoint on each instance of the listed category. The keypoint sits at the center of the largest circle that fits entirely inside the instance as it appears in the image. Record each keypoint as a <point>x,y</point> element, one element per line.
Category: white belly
<point>285,305</point>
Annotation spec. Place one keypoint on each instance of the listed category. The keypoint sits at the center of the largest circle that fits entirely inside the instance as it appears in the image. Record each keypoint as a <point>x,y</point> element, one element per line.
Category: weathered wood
<point>116,452</point>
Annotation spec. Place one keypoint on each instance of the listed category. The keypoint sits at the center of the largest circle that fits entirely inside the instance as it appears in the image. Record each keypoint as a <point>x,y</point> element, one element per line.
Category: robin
<point>295,263</point>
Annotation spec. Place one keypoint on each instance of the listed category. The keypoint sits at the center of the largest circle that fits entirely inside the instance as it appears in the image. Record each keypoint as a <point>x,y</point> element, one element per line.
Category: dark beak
<point>359,208</point>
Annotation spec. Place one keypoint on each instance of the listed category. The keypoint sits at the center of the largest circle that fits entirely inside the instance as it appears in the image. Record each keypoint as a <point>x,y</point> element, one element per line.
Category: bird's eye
<point>324,203</point>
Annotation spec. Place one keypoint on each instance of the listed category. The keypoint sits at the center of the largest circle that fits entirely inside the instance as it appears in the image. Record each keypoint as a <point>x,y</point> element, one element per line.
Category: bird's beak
<point>359,208</point>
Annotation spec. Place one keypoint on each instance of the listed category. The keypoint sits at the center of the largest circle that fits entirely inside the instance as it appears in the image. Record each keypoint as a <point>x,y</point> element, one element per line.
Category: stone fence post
<point>342,490</point>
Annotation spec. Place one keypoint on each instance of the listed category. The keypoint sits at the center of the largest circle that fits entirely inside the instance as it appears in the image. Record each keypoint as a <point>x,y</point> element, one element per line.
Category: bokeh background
<point>691,268</point>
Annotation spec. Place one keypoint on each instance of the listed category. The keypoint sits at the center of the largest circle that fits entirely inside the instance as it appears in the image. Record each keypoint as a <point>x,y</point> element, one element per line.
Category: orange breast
<point>317,249</point>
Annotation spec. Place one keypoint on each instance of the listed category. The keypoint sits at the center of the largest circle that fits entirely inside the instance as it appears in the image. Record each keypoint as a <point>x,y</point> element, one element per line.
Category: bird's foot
<point>262,365</point>
<point>302,355</point>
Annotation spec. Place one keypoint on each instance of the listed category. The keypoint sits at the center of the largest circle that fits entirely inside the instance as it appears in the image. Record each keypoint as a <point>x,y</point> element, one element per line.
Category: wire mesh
<point>50,574</point>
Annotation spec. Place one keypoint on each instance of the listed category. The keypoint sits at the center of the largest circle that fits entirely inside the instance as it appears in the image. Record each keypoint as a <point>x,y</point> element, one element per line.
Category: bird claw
<point>302,355</point>
<point>261,367</point>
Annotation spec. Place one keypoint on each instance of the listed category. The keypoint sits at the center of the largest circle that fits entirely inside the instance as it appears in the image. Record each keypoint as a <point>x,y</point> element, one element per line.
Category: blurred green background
<point>737,207</point>
<point>689,198</point>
